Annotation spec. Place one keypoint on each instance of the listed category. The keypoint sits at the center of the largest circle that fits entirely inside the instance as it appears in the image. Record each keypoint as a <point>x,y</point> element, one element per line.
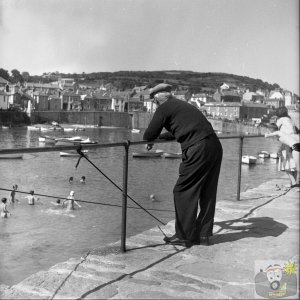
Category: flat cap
<point>162,87</point>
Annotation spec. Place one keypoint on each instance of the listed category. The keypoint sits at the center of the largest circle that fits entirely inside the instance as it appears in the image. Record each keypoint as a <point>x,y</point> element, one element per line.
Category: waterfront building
<point>70,101</point>
<point>274,103</point>
<point>236,110</point>
<point>4,100</point>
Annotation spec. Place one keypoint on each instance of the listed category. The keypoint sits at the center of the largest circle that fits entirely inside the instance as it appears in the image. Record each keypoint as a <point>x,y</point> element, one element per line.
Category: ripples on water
<point>37,237</point>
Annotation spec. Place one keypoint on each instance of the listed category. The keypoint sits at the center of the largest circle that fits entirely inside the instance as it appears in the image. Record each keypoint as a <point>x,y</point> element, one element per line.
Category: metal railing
<point>126,145</point>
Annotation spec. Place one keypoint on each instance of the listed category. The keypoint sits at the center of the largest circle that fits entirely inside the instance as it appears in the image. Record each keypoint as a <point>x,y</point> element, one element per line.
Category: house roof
<point>3,81</point>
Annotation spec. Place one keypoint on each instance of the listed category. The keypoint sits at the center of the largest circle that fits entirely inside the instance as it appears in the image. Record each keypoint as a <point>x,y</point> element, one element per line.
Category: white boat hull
<point>248,159</point>
<point>172,155</point>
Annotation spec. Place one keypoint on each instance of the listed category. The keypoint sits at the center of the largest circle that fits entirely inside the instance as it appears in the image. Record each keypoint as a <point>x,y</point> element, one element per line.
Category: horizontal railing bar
<point>104,145</point>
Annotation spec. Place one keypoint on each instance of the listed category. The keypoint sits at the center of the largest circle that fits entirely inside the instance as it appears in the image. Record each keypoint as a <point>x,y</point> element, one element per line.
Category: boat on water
<point>134,130</point>
<point>72,153</point>
<point>264,154</point>
<point>249,159</point>
<point>76,140</point>
<point>149,154</point>
<point>11,156</point>
<point>274,155</point>
<point>47,139</point>
<point>31,127</point>
<point>5,127</point>
<point>69,129</point>
<point>172,155</point>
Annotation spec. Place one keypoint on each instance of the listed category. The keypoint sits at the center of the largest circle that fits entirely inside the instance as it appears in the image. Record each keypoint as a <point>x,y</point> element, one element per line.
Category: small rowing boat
<point>76,140</point>
<point>264,154</point>
<point>172,155</point>
<point>249,159</point>
<point>274,155</point>
<point>148,154</point>
<point>11,156</point>
<point>72,153</point>
<point>134,130</point>
<point>30,127</point>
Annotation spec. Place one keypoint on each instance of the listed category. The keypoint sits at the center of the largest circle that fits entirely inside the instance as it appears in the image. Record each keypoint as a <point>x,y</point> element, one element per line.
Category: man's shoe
<point>179,242</point>
<point>168,239</point>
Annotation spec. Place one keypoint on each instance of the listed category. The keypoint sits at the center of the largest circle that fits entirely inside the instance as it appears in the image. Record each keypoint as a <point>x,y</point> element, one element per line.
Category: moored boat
<point>76,140</point>
<point>274,155</point>
<point>134,130</point>
<point>172,155</point>
<point>249,159</point>
<point>69,129</point>
<point>264,154</point>
<point>47,139</point>
<point>11,156</point>
<point>147,154</point>
<point>31,127</point>
<point>72,153</point>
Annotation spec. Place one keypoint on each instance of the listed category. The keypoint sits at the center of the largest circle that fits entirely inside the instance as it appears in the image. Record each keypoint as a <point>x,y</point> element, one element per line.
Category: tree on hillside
<point>4,74</point>
<point>25,75</point>
<point>16,76</point>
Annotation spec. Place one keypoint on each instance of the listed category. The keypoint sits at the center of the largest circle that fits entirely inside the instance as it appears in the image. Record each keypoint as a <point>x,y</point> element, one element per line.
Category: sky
<point>255,38</point>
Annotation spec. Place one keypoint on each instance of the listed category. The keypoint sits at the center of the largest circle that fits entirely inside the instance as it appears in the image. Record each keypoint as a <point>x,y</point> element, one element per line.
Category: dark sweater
<point>183,121</point>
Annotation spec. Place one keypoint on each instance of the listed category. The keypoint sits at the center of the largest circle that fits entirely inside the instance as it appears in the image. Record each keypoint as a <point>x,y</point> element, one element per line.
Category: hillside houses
<point>228,101</point>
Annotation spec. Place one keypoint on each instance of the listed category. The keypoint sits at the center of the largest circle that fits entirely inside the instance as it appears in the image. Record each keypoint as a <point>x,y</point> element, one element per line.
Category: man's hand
<point>149,146</point>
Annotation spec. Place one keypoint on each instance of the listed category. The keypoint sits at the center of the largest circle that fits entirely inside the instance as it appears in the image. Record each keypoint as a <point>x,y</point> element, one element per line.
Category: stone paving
<point>263,226</point>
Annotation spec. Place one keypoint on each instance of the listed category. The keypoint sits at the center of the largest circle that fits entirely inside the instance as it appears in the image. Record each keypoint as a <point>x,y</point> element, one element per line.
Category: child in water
<point>12,194</point>
<point>31,198</point>
<point>71,201</point>
<point>4,212</point>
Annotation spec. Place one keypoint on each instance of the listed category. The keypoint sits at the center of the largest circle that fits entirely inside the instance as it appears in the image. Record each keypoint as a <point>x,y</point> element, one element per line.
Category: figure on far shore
<point>292,141</point>
<point>4,212</point>
<point>286,163</point>
<point>71,201</point>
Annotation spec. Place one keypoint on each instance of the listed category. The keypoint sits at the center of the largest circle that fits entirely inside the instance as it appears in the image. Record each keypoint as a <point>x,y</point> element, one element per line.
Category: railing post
<point>240,169</point>
<point>124,197</point>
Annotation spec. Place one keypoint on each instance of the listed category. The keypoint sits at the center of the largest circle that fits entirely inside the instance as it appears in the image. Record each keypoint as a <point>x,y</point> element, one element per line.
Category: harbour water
<point>36,237</point>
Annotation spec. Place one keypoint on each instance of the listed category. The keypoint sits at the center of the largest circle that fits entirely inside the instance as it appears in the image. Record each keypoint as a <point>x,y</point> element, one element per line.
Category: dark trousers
<point>197,185</point>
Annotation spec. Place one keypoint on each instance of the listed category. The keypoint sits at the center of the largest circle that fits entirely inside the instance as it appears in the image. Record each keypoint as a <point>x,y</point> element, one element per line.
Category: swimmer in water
<point>71,180</point>
<point>71,202</point>
<point>82,180</point>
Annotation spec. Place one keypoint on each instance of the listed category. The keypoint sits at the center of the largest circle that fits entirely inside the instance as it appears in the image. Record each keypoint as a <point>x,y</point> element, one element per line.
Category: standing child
<point>71,201</point>
<point>12,195</point>
<point>31,198</point>
<point>4,212</point>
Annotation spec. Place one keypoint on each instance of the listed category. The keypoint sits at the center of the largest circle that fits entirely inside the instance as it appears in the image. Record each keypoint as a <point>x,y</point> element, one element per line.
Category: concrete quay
<point>262,227</point>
